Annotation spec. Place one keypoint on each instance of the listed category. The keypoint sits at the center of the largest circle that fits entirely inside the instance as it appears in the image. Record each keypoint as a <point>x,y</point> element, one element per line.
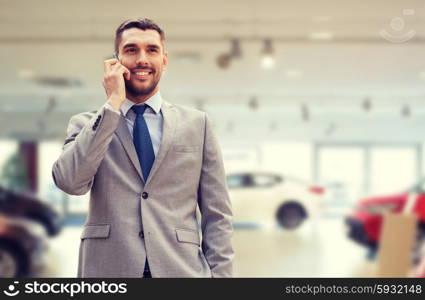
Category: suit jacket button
<point>141,234</point>
<point>145,195</point>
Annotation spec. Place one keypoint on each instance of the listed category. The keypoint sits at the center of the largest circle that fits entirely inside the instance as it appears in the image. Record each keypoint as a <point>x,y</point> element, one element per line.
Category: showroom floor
<point>319,249</point>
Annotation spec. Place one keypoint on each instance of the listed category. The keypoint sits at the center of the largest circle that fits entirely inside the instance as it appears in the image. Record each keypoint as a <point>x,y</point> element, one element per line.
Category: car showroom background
<point>319,108</point>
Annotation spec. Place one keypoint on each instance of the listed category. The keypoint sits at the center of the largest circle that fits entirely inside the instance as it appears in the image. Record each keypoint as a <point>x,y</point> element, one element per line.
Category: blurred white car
<point>271,198</point>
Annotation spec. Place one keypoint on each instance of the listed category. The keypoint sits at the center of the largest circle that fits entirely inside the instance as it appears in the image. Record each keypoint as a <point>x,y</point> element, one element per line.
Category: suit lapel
<point>127,142</point>
<point>168,130</point>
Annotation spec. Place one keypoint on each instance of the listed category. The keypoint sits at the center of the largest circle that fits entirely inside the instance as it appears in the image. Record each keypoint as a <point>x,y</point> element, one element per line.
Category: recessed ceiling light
<point>268,61</point>
<point>57,81</point>
<point>187,57</point>
<point>321,36</point>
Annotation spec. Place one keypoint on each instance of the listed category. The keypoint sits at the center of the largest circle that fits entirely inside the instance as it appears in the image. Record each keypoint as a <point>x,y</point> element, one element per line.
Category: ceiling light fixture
<point>267,55</point>
<point>223,60</point>
<point>235,51</point>
<point>253,103</point>
<point>405,111</point>
<point>367,104</point>
<point>305,113</point>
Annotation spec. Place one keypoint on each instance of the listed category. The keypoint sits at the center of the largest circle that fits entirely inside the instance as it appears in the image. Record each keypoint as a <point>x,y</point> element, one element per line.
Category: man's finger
<point>116,66</point>
<point>107,64</point>
<point>123,70</point>
<point>127,73</point>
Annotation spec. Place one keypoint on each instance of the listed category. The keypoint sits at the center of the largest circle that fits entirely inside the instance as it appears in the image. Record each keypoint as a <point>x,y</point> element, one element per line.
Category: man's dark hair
<point>143,24</point>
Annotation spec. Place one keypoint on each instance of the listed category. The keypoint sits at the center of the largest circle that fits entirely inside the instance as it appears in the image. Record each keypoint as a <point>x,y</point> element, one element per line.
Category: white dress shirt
<point>153,117</point>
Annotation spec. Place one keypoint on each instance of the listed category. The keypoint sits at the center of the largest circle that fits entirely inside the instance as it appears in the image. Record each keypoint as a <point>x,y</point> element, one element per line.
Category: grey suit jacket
<point>129,219</point>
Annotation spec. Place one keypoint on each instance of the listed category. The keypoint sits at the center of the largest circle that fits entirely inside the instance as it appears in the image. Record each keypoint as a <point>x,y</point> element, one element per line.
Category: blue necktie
<point>142,141</point>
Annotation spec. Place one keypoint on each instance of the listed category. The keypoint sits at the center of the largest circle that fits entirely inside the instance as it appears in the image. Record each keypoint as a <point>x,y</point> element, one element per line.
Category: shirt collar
<point>154,102</point>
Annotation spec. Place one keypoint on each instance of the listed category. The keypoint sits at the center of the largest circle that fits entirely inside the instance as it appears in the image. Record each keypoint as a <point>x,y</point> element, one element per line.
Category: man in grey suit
<point>149,165</point>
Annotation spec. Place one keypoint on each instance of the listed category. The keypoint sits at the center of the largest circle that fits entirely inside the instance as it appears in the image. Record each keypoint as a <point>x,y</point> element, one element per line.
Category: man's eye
<point>153,50</point>
<point>131,50</point>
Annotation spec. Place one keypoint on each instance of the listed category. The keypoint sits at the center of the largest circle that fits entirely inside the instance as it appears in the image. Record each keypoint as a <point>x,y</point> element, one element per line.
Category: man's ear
<point>165,59</point>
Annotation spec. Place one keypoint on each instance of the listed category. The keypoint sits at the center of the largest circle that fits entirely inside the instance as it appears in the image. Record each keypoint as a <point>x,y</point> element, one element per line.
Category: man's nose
<point>142,58</point>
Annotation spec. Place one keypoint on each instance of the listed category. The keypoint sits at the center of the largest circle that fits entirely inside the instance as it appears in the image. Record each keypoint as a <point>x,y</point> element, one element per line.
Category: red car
<point>365,222</point>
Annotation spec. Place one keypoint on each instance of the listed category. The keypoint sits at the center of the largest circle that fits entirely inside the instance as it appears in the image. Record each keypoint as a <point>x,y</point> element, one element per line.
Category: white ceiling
<point>70,39</point>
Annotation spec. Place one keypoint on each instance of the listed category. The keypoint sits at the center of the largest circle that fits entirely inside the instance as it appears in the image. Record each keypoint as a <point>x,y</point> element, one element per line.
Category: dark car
<point>22,247</point>
<point>18,204</point>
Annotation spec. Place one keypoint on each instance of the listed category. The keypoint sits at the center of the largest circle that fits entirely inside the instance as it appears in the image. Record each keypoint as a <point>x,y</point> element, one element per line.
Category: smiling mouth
<point>142,75</point>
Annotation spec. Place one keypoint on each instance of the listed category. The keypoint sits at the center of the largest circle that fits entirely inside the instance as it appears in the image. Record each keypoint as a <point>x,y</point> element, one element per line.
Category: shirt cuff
<point>108,106</point>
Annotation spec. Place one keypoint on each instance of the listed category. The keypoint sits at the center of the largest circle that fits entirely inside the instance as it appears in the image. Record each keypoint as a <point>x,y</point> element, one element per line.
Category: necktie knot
<point>139,109</point>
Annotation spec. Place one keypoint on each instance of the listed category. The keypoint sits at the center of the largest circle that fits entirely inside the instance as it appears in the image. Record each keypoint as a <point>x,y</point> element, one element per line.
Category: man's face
<point>142,52</point>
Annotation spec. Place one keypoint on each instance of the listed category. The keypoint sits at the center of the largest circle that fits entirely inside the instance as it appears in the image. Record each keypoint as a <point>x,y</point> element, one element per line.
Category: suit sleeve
<point>85,146</point>
<point>215,208</point>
